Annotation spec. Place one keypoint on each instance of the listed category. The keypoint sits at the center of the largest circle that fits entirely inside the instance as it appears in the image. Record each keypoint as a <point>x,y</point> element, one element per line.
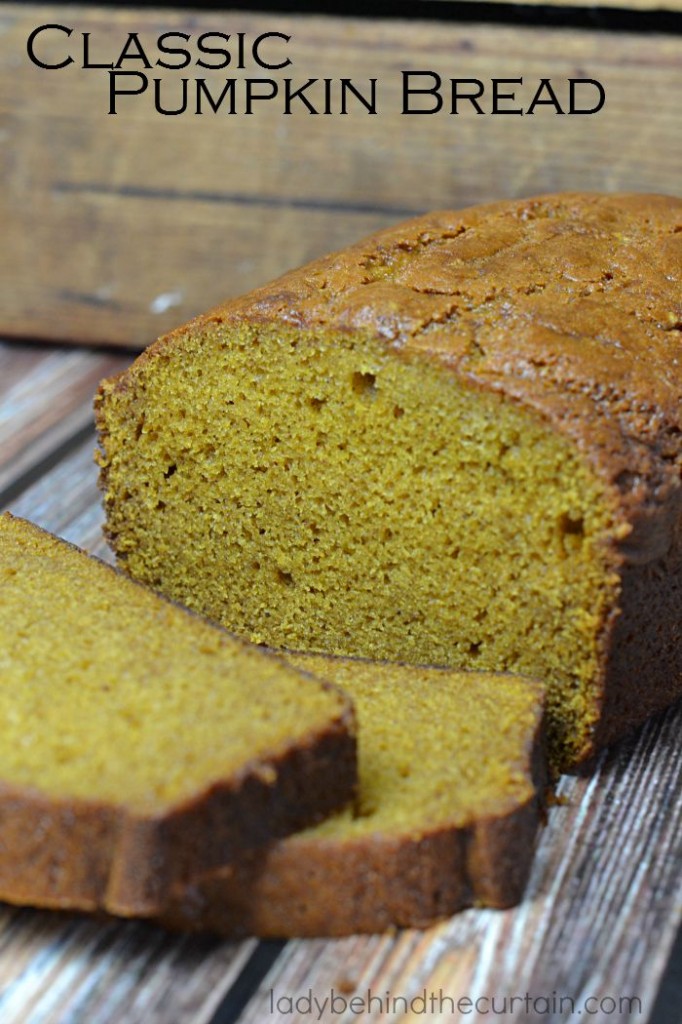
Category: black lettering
<point>31,52</point>
<point>228,89</point>
<point>498,96</point>
<point>87,63</point>
<point>114,90</point>
<point>204,47</point>
<point>573,107</point>
<point>472,96</point>
<point>185,55</point>
<point>551,101</point>
<point>252,95</point>
<point>157,99</point>
<point>348,87</point>
<point>409,90</point>
<point>133,44</point>
<point>258,41</point>
<point>241,54</point>
<point>298,94</point>
<point>327,96</point>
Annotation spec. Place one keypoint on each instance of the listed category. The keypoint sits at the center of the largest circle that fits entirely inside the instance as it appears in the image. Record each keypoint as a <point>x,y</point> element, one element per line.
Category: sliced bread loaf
<point>140,744</point>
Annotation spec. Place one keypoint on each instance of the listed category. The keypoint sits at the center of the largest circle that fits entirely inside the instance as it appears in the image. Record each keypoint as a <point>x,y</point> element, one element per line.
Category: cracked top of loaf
<point>568,303</point>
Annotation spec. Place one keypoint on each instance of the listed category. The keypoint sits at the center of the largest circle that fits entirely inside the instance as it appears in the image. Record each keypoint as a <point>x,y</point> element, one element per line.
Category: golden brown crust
<point>88,854</point>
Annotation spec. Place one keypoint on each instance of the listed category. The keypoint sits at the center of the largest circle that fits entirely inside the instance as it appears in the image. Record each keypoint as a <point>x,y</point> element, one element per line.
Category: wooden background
<point>116,228</point>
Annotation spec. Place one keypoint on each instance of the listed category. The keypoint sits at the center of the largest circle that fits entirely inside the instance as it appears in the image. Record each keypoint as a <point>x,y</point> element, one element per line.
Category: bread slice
<point>457,442</point>
<point>452,768</point>
<point>140,744</point>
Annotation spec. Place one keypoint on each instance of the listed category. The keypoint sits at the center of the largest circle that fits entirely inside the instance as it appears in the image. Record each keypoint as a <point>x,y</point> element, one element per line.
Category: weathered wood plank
<point>58,969</point>
<point>119,227</point>
<point>45,397</point>
<point>602,908</point>
<point>66,501</point>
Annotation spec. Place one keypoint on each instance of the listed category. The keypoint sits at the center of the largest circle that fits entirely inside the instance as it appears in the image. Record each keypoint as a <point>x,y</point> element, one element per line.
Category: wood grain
<point>57,969</point>
<point>45,398</point>
<point>600,915</point>
<point>117,228</point>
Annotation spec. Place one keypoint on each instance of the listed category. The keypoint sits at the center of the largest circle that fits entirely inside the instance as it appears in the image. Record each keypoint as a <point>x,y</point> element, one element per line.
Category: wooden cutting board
<point>119,227</point>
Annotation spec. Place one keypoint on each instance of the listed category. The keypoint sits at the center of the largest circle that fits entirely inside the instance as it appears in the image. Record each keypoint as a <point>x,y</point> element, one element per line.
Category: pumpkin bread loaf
<point>451,778</point>
<point>141,744</point>
<point>457,442</point>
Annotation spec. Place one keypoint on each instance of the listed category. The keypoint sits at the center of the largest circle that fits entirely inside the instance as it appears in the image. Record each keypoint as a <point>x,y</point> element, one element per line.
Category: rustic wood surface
<point>117,228</point>
<point>598,922</point>
<point>45,399</point>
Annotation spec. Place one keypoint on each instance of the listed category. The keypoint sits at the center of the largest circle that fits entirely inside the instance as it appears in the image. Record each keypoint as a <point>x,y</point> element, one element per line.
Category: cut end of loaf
<point>314,490</point>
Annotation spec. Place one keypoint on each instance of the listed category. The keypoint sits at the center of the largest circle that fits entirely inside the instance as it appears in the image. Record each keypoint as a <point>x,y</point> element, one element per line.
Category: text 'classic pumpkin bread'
<point>457,442</point>
<point>451,767</point>
<point>142,745</point>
